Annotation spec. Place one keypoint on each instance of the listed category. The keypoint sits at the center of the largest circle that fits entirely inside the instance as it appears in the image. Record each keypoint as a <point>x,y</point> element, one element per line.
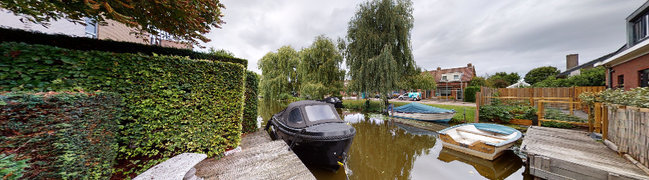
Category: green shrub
<point>495,113</point>
<point>250,109</point>
<point>64,136</point>
<point>12,168</point>
<point>469,93</point>
<point>86,44</point>
<point>172,104</point>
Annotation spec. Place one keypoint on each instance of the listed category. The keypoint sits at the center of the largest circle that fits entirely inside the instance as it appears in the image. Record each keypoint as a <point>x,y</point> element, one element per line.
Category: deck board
<point>260,158</point>
<point>554,152</point>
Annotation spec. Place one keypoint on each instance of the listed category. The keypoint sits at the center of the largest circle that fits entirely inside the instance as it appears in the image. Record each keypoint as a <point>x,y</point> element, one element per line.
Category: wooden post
<point>540,112</point>
<point>572,110</point>
<point>604,122</point>
<point>598,117</point>
<point>478,99</point>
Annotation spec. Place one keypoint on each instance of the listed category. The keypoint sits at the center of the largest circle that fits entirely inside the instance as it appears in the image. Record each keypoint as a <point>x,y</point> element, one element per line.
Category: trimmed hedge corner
<point>469,93</point>
<point>250,110</point>
<point>86,44</point>
<point>171,104</point>
<point>60,135</point>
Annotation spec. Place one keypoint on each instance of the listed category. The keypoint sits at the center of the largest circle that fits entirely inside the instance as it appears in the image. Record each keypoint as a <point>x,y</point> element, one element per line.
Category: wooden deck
<point>260,158</point>
<point>569,154</point>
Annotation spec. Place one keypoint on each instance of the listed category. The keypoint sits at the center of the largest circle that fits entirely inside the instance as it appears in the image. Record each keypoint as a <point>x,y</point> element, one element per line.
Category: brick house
<point>630,67</point>
<point>112,30</point>
<point>450,82</point>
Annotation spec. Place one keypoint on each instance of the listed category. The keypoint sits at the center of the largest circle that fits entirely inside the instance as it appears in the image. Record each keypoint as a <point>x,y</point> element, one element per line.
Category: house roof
<point>593,62</point>
<point>467,73</point>
<point>519,84</point>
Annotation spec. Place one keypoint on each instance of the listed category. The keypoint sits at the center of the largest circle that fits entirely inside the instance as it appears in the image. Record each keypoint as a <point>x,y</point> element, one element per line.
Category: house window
<point>644,78</point>
<point>456,77</point>
<point>91,28</point>
<point>444,78</point>
<point>620,81</point>
<point>640,28</point>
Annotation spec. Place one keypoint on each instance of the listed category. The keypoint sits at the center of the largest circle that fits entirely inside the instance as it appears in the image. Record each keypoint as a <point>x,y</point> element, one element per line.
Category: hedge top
<point>84,43</point>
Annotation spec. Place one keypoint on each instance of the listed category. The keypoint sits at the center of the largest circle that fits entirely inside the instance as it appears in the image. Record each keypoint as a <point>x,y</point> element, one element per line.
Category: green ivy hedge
<point>86,44</point>
<point>171,104</point>
<point>250,110</point>
<point>58,136</point>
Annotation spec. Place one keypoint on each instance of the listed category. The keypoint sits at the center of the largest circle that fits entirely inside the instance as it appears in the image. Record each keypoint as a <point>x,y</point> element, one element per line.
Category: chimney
<point>439,68</point>
<point>469,65</point>
<point>572,60</point>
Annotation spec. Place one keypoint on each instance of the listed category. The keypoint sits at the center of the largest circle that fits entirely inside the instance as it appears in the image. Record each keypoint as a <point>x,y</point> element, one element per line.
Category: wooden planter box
<point>524,122</point>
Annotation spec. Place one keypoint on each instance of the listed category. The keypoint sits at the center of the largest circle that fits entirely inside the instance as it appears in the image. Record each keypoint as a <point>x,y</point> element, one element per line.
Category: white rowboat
<point>483,140</point>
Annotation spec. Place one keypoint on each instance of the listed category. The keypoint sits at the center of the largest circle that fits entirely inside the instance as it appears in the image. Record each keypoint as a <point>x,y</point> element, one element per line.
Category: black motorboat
<point>333,100</point>
<point>315,132</point>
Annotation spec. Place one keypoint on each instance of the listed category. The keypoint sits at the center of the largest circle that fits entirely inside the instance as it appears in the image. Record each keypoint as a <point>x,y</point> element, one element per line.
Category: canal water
<point>385,149</point>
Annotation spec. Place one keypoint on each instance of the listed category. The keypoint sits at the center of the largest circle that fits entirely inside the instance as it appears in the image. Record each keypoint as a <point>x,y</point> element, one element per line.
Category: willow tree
<point>186,20</point>
<point>319,69</point>
<point>279,77</point>
<point>377,51</point>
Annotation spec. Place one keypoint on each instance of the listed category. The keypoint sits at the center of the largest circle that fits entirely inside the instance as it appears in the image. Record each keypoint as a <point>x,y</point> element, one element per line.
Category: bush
<point>172,104</point>
<point>495,113</point>
<point>11,168</point>
<point>638,97</point>
<point>469,93</point>
<point>250,109</point>
<point>64,136</point>
<point>83,43</point>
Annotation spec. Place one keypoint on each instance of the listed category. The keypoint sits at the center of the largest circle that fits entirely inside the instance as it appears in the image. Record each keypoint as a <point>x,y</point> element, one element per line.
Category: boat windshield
<point>319,112</point>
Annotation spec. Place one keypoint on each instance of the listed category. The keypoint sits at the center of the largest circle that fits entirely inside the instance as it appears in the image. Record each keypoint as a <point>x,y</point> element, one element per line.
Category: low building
<point>112,30</point>
<point>450,82</point>
<point>630,67</point>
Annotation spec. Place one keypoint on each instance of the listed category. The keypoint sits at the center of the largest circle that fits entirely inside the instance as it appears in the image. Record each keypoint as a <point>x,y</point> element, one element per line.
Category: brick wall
<point>630,71</point>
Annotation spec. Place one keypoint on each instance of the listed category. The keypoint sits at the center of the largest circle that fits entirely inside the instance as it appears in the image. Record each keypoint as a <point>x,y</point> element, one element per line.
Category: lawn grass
<point>376,107</point>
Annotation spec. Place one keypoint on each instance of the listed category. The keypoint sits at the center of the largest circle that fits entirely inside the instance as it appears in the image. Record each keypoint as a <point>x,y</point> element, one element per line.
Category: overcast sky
<point>511,36</point>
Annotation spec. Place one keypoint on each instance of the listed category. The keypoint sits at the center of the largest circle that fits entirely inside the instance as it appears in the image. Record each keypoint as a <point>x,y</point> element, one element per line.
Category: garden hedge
<point>85,44</point>
<point>250,109</point>
<point>59,136</point>
<point>171,104</point>
<point>469,93</point>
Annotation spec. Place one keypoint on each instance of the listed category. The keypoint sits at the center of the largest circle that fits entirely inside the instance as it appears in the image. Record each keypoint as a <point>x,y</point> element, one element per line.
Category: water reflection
<point>383,149</point>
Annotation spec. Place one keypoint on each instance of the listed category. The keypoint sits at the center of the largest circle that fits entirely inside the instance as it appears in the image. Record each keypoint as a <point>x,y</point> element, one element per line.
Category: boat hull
<point>480,150</point>
<point>327,153</point>
<point>433,117</point>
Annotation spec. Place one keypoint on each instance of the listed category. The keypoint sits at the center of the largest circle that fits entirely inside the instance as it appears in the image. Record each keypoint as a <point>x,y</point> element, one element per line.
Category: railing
<point>558,111</point>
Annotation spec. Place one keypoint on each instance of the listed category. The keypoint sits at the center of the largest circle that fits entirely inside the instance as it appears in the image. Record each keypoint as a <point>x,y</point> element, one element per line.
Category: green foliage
<point>12,168</point>
<point>171,104</point>
<point>589,77</point>
<point>541,73</point>
<point>502,79</point>
<point>478,81</point>
<point>424,81</point>
<point>378,52</point>
<point>319,69</point>
<point>469,93</point>
<point>279,76</point>
<point>249,122</point>
<point>638,97</point>
<point>556,114</point>
<point>505,113</point>
<point>64,135</point>
<point>221,53</point>
<point>188,21</point>
<point>86,44</point>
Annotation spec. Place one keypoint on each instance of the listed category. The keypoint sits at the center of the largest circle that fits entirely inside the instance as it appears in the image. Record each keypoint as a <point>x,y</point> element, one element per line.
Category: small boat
<point>483,140</point>
<point>315,132</point>
<point>333,100</point>
<point>422,112</point>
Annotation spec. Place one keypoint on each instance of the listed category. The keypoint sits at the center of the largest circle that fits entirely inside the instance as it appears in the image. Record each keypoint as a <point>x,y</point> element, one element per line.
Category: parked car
<point>413,96</point>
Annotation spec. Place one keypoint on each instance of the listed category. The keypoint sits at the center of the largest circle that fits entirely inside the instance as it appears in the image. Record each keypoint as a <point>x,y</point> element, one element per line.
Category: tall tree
<point>503,79</point>
<point>378,52</point>
<point>539,74</point>
<point>423,81</point>
<point>279,77</point>
<point>319,69</point>
<point>187,20</point>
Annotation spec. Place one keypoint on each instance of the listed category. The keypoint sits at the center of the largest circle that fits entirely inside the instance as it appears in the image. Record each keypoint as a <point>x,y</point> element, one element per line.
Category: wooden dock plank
<point>569,154</point>
<point>260,158</point>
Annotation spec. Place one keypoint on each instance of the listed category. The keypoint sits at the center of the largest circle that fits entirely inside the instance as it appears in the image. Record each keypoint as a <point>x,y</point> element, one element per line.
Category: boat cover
<point>301,114</point>
<point>495,128</point>
<point>420,108</point>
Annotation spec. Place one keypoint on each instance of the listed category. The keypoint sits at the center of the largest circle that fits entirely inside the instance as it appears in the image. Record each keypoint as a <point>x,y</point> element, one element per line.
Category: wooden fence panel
<point>628,128</point>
